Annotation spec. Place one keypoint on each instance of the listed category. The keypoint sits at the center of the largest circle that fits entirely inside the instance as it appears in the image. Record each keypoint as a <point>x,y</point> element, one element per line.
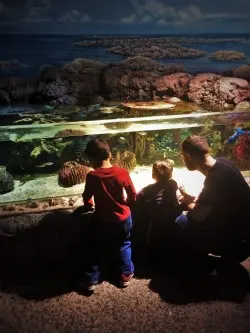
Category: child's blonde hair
<point>162,170</point>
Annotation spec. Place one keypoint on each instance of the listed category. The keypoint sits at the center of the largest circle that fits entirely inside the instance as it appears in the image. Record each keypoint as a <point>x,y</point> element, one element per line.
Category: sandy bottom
<point>44,193</point>
<point>47,186</point>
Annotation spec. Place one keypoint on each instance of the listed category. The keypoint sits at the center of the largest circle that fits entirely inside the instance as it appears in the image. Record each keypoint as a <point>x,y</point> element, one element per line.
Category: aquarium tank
<point>43,164</point>
<point>142,93</point>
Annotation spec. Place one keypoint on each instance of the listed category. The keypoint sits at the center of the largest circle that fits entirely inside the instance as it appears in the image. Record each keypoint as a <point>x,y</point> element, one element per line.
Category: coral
<point>19,89</point>
<point>72,173</point>
<point>131,79</point>
<point>242,148</point>
<point>75,83</point>
<point>172,85</point>
<point>164,146</point>
<point>214,139</point>
<point>69,132</point>
<point>126,160</point>
<point>217,92</point>
<point>49,147</point>
<point>76,150</point>
<point>201,88</point>
<point>137,143</point>
<point>6,181</point>
<point>117,125</point>
<point>242,106</point>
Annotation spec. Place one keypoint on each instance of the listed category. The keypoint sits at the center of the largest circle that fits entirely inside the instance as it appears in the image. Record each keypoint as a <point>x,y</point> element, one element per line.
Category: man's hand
<point>187,199</point>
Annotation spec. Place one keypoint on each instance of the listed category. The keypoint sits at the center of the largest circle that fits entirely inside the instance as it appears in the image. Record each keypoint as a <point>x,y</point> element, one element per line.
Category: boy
<point>112,220</point>
<point>157,205</point>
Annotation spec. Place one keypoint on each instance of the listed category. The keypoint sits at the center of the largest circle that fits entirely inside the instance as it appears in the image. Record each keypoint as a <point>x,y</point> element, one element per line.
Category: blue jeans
<point>182,221</point>
<point>111,240</point>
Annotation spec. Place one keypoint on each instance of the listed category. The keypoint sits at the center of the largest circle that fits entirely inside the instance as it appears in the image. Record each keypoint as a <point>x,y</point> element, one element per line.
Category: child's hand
<point>87,209</point>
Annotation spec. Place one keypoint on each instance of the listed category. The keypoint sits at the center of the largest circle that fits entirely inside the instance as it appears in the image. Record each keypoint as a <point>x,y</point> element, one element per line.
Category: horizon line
<point>129,33</point>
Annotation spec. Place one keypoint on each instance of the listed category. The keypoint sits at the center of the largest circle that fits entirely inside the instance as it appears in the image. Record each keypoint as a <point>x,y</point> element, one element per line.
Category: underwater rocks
<point>153,51</point>
<point>6,181</point>
<point>86,82</point>
<point>18,89</point>
<point>231,90</point>
<point>172,85</point>
<point>75,83</point>
<point>150,47</point>
<point>132,78</point>
<point>201,88</point>
<point>72,173</point>
<point>216,91</point>
<point>227,55</point>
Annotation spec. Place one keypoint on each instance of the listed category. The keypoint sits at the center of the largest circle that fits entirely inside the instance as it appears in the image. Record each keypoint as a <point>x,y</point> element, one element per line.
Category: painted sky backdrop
<point>124,16</point>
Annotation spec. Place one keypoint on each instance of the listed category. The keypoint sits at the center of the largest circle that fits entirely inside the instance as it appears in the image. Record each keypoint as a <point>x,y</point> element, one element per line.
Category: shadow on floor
<point>47,260</point>
<point>197,284</point>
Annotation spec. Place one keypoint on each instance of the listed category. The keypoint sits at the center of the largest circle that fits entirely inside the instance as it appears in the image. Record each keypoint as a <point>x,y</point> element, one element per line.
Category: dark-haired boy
<point>112,216</point>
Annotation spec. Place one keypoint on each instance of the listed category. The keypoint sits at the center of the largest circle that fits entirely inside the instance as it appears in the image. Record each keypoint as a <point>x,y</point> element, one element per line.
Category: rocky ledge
<point>85,82</point>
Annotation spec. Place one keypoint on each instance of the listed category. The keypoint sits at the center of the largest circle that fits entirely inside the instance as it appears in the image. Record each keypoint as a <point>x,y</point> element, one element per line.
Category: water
<point>35,154</point>
<point>32,51</point>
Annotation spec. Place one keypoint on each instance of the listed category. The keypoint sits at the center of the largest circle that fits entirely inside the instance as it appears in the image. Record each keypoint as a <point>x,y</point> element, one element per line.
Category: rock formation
<point>6,181</point>
<point>226,55</point>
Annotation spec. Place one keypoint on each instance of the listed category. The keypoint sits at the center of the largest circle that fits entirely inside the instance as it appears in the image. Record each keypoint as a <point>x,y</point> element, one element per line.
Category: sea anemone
<point>69,132</point>
<point>126,160</point>
<point>72,173</point>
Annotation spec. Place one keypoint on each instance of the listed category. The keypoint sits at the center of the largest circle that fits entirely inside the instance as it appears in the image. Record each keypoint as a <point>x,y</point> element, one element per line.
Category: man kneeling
<point>217,221</point>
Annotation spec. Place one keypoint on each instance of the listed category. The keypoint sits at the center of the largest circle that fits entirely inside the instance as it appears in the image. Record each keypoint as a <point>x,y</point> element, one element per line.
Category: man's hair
<point>97,149</point>
<point>162,170</point>
<point>195,145</point>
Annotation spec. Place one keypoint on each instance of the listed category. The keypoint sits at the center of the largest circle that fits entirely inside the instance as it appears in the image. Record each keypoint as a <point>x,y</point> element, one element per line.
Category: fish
<point>24,120</point>
<point>93,107</point>
<point>107,110</point>
<point>49,107</point>
<point>142,133</point>
<point>122,139</point>
<point>45,164</point>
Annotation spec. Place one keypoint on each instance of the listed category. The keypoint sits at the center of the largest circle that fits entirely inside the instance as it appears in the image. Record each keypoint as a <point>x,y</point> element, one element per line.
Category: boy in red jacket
<point>112,217</point>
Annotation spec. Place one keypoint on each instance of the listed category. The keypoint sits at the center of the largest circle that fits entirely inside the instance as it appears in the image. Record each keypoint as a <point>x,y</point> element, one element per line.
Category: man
<point>216,222</point>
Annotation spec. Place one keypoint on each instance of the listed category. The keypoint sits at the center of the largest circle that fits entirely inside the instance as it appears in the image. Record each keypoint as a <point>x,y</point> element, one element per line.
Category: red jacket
<point>107,186</point>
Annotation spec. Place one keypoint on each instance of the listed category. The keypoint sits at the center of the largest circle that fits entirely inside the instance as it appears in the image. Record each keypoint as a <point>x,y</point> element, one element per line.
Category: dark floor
<point>38,292</point>
<point>162,303</point>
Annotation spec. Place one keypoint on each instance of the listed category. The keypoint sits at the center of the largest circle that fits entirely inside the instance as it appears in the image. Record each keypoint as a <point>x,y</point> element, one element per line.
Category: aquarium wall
<point>44,165</point>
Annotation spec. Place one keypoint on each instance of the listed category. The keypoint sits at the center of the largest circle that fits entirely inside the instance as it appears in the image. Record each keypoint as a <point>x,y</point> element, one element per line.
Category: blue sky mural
<point>124,16</point>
